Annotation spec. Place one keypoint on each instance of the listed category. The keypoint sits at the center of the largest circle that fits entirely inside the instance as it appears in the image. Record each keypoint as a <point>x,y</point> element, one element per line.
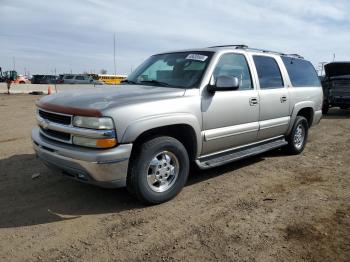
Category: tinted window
<point>268,72</point>
<point>301,72</point>
<point>235,65</point>
<point>79,78</point>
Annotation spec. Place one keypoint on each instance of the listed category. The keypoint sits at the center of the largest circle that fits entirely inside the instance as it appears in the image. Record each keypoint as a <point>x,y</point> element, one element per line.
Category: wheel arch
<point>184,128</point>
<point>305,109</point>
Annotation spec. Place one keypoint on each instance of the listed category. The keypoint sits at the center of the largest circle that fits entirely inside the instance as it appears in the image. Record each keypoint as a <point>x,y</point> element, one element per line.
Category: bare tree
<point>103,71</point>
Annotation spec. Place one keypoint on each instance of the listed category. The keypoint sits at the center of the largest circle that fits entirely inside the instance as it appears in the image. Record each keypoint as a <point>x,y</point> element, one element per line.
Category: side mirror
<point>224,83</point>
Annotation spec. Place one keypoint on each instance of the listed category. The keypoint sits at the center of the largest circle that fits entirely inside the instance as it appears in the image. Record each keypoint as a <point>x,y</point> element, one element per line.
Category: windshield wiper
<point>155,82</point>
<point>126,81</point>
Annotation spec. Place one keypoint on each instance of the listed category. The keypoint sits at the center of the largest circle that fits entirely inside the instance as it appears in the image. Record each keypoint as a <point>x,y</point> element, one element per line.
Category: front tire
<point>158,170</point>
<point>298,137</point>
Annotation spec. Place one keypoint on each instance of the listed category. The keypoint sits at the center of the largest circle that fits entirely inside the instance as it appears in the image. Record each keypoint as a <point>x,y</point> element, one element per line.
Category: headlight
<point>93,122</point>
<point>93,142</point>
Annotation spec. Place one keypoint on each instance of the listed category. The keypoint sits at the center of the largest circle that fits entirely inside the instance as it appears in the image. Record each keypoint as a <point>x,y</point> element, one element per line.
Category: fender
<point>296,109</point>
<point>142,125</point>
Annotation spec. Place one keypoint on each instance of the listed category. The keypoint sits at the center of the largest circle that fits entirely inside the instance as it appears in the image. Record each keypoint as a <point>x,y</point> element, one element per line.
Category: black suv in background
<point>43,79</point>
<point>336,86</point>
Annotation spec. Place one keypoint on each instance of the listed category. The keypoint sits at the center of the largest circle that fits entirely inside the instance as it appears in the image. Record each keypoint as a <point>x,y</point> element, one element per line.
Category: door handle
<point>283,99</point>
<point>253,101</point>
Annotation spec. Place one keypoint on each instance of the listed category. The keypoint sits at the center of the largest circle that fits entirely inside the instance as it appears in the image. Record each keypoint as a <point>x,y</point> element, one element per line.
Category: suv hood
<point>102,98</point>
<point>337,69</point>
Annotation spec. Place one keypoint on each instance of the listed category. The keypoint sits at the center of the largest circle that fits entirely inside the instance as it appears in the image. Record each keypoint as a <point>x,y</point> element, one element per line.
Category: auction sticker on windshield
<point>197,57</point>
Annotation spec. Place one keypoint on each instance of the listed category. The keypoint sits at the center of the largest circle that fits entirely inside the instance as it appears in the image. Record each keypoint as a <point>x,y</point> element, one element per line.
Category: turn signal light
<point>106,143</point>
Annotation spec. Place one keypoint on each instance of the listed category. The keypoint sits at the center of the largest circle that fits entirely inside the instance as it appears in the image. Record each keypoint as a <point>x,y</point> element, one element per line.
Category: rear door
<point>274,98</point>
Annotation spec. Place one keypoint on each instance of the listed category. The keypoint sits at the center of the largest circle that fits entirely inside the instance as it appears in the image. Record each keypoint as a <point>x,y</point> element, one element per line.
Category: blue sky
<point>77,35</point>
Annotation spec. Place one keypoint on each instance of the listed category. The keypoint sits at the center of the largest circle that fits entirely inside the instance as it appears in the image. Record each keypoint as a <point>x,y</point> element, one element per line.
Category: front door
<point>230,118</point>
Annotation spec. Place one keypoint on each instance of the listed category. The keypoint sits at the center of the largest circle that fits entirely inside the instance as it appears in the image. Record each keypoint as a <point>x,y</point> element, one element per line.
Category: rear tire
<point>158,170</point>
<point>298,137</point>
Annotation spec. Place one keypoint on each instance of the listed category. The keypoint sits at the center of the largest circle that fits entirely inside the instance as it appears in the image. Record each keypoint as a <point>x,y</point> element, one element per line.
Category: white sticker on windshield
<point>197,57</point>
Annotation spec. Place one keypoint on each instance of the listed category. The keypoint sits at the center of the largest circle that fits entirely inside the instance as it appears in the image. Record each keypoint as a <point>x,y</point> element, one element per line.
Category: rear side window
<point>301,72</point>
<point>268,72</point>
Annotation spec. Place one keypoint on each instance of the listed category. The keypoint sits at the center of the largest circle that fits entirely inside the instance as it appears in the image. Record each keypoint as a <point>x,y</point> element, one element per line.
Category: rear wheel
<point>298,137</point>
<point>158,170</point>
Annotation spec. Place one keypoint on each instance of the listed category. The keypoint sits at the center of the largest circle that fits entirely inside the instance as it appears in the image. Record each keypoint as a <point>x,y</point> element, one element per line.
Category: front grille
<point>341,84</point>
<point>56,118</point>
<point>56,134</point>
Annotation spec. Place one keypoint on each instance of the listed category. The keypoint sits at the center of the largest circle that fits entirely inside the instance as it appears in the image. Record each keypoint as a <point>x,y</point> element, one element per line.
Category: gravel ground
<point>267,208</point>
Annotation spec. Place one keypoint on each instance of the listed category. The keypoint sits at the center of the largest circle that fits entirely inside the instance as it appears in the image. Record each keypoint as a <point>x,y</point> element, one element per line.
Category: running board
<point>222,159</point>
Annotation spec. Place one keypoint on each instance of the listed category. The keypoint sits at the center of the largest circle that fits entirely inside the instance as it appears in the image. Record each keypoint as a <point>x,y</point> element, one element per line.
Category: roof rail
<point>264,51</point>
<point>295,55</point>
<point>245,47</point>
<point>236,46</point>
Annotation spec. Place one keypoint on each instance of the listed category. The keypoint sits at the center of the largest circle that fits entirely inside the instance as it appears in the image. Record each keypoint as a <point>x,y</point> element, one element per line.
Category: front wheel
<point>158,170</point>
<point>298,137</point>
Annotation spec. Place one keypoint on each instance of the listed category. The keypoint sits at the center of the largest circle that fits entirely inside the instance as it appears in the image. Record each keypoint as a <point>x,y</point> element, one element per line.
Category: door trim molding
<point>228,131</point>
<point>281,121</point>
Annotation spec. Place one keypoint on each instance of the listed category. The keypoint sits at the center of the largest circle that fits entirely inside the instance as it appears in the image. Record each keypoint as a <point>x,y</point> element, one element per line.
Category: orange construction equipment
<point>49,90</point>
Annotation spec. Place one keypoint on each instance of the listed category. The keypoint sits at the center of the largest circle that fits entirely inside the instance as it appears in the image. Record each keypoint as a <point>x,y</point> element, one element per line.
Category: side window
<point>301,72</point>
<point>268,72</point>
<point>235,65</point>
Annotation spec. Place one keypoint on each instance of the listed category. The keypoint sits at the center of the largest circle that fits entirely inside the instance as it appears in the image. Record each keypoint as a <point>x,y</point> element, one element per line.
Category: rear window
<point>268,72</point>
<point>301,72</point>
<point>79,77</point>
<point>68,77</point>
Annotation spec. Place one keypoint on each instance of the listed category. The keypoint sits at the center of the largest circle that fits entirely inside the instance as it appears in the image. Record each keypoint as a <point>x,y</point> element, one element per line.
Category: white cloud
<point>78,35</point>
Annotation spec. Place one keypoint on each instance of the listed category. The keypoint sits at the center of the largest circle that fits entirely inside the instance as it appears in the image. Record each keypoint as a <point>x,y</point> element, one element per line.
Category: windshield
<point>183,69</point>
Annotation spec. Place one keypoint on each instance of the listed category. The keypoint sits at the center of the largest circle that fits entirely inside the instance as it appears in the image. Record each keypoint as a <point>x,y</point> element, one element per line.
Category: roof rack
<point>245,47</point>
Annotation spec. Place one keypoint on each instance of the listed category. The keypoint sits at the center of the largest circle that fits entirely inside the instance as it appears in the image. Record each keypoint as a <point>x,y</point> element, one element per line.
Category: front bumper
<point>101,167</point>
<point>340,101</point>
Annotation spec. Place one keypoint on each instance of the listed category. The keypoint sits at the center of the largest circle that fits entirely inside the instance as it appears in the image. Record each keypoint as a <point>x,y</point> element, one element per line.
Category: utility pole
<point>115,67</point>
<point>14,63</point>
<point>321,64</point>
<point>55,81</point>
<point>333,57</point>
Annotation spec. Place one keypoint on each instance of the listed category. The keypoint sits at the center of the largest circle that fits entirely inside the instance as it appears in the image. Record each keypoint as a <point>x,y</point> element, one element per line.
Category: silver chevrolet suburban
<point>208,106</point>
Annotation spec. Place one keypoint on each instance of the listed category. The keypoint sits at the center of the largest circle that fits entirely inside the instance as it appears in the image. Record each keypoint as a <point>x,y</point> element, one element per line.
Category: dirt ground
<point>268,208</point>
